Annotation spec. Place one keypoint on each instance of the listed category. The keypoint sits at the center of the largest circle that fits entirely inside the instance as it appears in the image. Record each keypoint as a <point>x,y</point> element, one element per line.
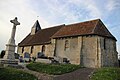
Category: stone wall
<point>89,51</point>
<point>71,51</point>
<point>19,50</point>
<point>98,52</point>
<point>26,49</point>
<point>36,49</point>
<point>48,51</point>
<point>82,50</point>
<point>108,52</point>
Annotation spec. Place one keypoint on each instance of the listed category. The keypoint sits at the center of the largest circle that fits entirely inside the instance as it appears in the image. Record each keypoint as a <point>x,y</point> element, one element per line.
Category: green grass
<point>14,74</point>
<point>54,69</point>
<point>106,74</point>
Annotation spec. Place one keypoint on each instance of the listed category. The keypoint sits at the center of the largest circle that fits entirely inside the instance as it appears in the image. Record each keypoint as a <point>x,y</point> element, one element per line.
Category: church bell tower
<point>36,27</point>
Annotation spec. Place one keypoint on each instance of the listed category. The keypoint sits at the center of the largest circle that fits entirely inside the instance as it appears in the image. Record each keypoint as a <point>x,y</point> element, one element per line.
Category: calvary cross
<point>15,23</point>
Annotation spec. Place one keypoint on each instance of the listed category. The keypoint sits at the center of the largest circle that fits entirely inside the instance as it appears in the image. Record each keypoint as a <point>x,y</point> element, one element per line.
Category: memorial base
<point>6,62</point>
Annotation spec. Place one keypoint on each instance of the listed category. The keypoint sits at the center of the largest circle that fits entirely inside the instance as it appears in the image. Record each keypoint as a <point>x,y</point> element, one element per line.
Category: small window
<point>66,44</point>
<point>43,48</point>
<point>22,49</point>
<point>32,49</point>
<point>104,44</point>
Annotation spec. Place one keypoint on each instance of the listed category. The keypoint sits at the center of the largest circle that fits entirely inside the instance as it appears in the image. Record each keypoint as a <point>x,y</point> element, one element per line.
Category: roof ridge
<point>54,26</point>
<point>83,22</point>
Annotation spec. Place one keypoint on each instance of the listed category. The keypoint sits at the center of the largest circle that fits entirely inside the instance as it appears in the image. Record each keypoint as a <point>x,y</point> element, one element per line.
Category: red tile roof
<point>43,36</point>
<point>93,27</point>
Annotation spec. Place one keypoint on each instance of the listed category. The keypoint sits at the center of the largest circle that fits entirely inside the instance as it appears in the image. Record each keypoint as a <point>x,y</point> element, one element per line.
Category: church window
<point>104,44</point>
<point>22,49</point>
<point>66,44</point>
<point>32,49</point>
<point>43,48</point>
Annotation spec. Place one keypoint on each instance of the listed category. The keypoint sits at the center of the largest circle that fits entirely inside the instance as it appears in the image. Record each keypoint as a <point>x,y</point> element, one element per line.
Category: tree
<point>2,53</point>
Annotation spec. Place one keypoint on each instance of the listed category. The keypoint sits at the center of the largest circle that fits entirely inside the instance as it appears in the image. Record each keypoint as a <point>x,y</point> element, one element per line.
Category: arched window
<point>31,49</point>
<point>104,43</point>
<point>22,49</point>
<point>43,48</point>
<point>66,44</point>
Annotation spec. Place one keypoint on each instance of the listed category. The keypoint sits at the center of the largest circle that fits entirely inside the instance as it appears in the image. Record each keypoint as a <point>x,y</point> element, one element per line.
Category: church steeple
<point>36,27</point>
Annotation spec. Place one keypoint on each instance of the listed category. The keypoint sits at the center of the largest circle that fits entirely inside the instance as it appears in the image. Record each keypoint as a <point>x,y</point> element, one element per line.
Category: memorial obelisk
<point>10,47</point>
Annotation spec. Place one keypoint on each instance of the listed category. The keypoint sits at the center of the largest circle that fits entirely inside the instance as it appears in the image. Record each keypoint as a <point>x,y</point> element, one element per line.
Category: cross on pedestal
<point>10,47</point>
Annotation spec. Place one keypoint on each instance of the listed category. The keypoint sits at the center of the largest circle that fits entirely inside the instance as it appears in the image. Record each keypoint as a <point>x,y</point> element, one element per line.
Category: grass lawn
<point>106,74</point>
<point>14,74</point>
<point>54,69</point>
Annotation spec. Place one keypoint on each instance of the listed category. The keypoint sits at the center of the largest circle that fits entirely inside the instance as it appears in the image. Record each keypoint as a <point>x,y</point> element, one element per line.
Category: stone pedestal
<point>10,51</point>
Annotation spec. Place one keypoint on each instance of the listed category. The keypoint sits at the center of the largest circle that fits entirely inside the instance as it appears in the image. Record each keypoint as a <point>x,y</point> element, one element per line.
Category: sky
<point>56,12</point>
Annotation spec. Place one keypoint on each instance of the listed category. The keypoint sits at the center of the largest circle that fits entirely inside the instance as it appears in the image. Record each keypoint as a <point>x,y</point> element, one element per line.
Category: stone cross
<point>10,47</point>
<point>15,23</point>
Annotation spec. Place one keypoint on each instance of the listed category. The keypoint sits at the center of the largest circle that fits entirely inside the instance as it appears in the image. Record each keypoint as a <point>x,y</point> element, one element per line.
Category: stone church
<point>89,43</point>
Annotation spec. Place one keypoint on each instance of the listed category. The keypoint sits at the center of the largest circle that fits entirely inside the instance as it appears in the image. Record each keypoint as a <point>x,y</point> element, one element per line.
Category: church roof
<point>93,27</point>
<point>43,36</point>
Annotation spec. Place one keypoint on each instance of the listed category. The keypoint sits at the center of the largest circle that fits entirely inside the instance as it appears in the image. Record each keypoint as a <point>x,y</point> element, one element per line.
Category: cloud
<point>89,5</point>
<point>112,4</point>
<point>68,11</point>
<point>62,11</point>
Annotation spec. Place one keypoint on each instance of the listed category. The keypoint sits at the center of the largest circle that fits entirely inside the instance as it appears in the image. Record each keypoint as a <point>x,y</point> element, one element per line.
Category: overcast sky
<point>55,12</point>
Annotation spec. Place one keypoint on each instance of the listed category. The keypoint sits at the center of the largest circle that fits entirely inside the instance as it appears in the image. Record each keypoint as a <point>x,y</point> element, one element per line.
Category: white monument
<point>10,47</point>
